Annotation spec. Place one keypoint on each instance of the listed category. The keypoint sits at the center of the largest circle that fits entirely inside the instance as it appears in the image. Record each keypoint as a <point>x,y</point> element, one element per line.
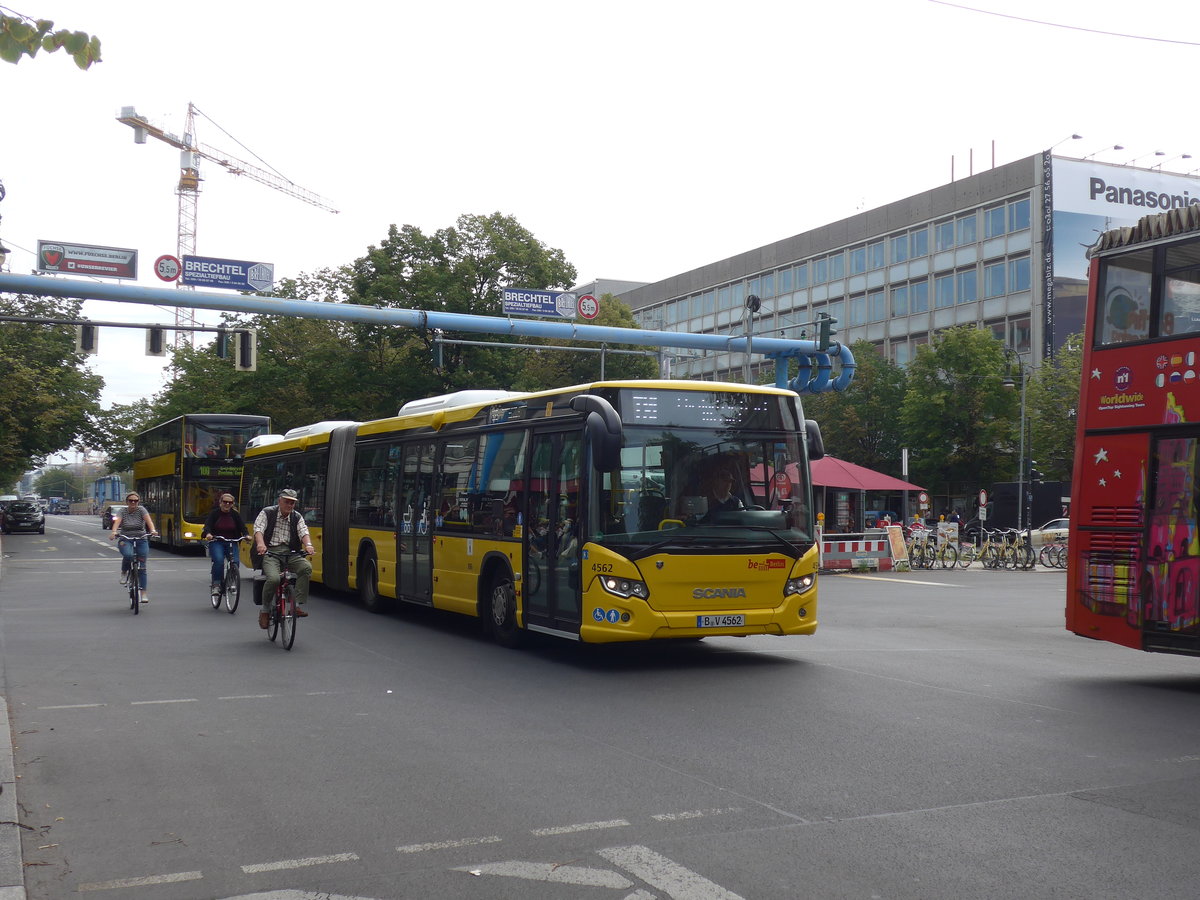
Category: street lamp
<point>1104,150</point>
<point>1014,356</point>
<point>1146,156</point>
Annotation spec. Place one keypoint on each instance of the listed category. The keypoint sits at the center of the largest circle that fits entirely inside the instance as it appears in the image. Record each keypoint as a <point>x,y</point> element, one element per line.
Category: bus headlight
<point>799,585</point>
<point>624,587</point>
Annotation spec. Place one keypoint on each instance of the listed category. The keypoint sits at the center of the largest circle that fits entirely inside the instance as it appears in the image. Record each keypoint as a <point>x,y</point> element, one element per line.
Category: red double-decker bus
<point>1134,571</point>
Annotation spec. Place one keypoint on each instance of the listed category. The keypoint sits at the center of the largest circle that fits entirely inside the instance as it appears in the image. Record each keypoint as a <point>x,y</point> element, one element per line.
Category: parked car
<point>106,516</point>
<point>1052,532</point>
<point>24,515</point>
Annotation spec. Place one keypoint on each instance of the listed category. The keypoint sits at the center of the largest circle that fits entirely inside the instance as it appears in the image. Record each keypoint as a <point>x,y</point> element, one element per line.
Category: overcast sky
<point>642,138</point>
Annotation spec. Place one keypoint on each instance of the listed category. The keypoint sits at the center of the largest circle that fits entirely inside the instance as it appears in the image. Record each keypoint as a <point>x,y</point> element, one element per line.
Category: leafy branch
<point>23,36</point>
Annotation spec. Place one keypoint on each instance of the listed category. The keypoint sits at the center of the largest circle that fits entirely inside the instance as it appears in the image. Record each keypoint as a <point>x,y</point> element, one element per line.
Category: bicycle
<point>281,609</point>
<point>230,588</point>
<point>135,573</point>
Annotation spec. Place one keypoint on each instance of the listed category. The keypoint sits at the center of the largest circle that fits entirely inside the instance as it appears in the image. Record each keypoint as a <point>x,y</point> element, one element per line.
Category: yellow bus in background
<point>182,466</point>
<point>581,512</point>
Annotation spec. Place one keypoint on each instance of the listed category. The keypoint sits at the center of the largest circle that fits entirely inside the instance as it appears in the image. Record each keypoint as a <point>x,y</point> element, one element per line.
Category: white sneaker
<point>125,578</point>
<point>145,597</point>
<point>215,589</point>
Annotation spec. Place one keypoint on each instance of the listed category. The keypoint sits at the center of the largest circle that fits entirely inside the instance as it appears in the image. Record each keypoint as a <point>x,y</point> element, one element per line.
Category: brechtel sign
<point>232,274</point>
<point>527,302</point>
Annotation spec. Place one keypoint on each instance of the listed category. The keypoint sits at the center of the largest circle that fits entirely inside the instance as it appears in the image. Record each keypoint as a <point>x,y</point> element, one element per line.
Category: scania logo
<point>706,593</point>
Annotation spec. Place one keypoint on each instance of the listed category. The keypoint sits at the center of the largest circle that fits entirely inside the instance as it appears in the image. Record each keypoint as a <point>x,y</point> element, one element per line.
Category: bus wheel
<point>503,611</point>
<point>368,583</point>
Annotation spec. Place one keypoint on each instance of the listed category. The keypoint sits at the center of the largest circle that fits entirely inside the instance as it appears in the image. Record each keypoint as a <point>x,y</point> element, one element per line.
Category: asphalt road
<point>941,736</point>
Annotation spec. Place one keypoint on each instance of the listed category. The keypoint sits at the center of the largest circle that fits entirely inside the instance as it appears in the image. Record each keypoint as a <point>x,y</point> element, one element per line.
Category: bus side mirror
<point>603,429</point>
<point>812,434</point>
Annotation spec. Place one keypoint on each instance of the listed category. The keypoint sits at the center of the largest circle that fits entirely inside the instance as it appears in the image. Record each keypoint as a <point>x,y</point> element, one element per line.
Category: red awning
<point>837,473</point>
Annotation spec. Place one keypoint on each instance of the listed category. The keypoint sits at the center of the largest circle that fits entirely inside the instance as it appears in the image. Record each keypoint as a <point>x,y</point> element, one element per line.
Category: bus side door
<point>552,596</point>
<point>414,528</point>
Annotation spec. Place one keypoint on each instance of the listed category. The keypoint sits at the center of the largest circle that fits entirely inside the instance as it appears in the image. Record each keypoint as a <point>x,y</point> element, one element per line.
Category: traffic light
<point>825,331</point>
<point>245,357</point>
<point>222,344</point>
<point>1035,475</point>
<point>155,342</point>
<point>86,339</point>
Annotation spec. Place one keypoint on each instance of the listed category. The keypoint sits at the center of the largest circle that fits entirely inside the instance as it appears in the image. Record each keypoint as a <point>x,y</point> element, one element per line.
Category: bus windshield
<point>733,490</point>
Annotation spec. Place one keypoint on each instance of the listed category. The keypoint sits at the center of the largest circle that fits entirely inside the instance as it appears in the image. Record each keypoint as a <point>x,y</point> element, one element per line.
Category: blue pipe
<point>777,348</point>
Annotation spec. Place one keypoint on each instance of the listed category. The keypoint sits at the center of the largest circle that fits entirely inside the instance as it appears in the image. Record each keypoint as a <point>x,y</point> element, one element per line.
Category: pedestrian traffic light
<point>1035,475</point>
<point>825,331</point>
<point>246,350</point>
<point>155,342</point>
<point>86,339</point>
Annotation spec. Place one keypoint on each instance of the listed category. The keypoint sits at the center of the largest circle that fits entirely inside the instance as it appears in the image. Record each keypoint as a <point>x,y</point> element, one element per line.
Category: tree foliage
<point>862,423</point>
<point>960,421</point>
<point>1052,400</point>
<point>58,482</point>
<point>46,396</point>
<point>22,36</point>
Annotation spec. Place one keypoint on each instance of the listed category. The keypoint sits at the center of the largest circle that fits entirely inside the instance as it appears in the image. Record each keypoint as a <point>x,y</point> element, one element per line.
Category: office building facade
<point>1003,250</point>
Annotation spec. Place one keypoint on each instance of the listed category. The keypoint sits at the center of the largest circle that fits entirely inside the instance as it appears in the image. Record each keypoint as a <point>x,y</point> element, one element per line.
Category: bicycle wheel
<point>288,626</point>
<point>929,556</point>
<point>1026,558</point>
<point>232,588</point>
<point>134,591</point>
<point>948,556</point>
<point>1060,556</point>
<point>273,621</point>
<point>966,555</point>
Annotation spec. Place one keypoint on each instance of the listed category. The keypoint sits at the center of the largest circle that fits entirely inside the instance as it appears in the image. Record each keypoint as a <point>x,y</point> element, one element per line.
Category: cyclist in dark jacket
<point>224,521</point>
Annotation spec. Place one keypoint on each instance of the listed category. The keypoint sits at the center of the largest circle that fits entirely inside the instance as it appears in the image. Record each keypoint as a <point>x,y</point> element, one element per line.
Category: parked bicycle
<point>1053,555</point>
<point>281,609</point>
<point>229,589</point>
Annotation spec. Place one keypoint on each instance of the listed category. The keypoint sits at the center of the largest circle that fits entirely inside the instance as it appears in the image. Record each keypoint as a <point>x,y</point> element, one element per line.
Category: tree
<point>862,423</point>
<point>46,396</point>
<point>22,36</point>
<point>460,269</point>
<point>558,368</point>
<point>1051,401</point>
<point>111,431</point>
<point>960,422</point>
<point>58,482</point>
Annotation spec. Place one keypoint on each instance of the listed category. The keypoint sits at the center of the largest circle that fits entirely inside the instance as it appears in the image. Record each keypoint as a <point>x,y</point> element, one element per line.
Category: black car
<point>106,517</point>
<point>24,515</point>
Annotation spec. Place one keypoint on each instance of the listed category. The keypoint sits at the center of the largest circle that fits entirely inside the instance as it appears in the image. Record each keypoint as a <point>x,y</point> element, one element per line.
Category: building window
<point>858,260</point>
<point>919,296</point>
<point>739,294</point>
<point>837,267</point>
<point>835,309</point>
<point>1018,215</point>
<point>876,307</point>
<point>943,236</point>
<point>785,281</point>
<point>1018,274</point>
<point>918,243</point>
<point>767,288</point>
<point>1021,336</point>
<point>858,310</point>
<point>724,298</point>
<point>995,221</point>
<point>900,354</point>
<point>801,276</point>
<point>899,247</point>
<point>943,291</point>
<point>993,280</point>
<point>875,256</point>
<point>967,285</point>
<point>900,300</point>
<point>967,230</point>
<point>820,271</point>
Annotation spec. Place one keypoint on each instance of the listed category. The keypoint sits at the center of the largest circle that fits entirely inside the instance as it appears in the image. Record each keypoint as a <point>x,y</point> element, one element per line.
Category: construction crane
<point>188,190</point>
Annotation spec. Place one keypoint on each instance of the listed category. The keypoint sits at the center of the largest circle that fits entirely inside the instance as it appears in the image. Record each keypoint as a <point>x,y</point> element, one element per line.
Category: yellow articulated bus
<point>612,511</point>
<point>181,467</point>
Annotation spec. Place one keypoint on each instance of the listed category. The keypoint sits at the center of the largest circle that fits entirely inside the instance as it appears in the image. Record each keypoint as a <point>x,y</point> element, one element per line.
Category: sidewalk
<point>12,865</point>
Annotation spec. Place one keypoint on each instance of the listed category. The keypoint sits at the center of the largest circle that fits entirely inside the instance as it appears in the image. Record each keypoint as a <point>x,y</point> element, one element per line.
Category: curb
<point>12,864</point>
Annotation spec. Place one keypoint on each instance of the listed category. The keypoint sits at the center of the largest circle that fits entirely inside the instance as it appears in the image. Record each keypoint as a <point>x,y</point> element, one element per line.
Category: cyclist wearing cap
<point>281,529</point>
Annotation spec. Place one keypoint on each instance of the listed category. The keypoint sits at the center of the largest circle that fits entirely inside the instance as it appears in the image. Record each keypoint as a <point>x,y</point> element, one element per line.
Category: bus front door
<point>414,551</point>
<point>551,592</point>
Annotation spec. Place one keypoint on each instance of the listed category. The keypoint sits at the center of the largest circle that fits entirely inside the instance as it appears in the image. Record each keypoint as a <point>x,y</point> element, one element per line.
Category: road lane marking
<point>553,873</point>
<point>694,814</point>
<point>249,697</point>
<point>582,826</point>
<point>299,863</point>
<point>670,877</point>
<point>447,845</point>
<point>140,882</point>
<point>152,702</point>
<point>75,706</point>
